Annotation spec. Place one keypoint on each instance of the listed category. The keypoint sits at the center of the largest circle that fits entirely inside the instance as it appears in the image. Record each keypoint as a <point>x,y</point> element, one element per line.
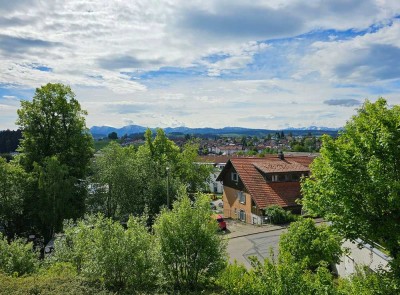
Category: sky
<point>269,64</point>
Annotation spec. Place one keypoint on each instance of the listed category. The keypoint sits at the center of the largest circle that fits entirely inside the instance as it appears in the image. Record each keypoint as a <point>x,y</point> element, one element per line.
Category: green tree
<point>56,143</point>
<point>113,135</point>
<point>192,252</point>
<point>310,244</point>
<point>14,185</point>
<point>355,183</point>
<point>56,189</point>
<point>53,124</point>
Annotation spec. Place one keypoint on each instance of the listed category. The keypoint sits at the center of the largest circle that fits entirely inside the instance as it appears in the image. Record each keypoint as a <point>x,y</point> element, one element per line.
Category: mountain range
<point>103,131</point>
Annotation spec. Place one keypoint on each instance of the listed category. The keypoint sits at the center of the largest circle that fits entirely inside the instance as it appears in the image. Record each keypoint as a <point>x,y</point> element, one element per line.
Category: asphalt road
<point>259,245</point>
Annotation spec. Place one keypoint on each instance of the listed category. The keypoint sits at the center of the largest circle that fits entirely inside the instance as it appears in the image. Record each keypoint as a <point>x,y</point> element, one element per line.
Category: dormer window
<point>234,176</point>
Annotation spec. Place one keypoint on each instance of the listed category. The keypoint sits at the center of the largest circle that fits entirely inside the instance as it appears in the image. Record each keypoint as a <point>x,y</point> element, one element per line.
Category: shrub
<point>278,215</point>
<point>275,278</point>
<point>60,278</point>
<point>17,257</point>
<point>103,251</point>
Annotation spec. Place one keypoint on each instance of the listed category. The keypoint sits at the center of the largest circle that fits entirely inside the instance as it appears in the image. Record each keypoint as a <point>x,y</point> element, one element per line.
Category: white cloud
<point>102,49</point>
<point>361,59</point>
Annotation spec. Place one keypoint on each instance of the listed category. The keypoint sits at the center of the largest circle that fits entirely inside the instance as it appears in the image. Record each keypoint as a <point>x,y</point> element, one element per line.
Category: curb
<point>260,232</point>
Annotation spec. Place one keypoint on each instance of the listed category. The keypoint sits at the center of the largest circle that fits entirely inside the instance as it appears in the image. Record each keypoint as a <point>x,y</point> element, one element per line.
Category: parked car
<point>212,206</point>
<point>221,204</point>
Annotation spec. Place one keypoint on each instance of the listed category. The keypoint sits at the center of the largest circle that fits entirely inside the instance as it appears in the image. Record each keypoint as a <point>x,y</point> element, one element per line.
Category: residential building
<point>253,184</point>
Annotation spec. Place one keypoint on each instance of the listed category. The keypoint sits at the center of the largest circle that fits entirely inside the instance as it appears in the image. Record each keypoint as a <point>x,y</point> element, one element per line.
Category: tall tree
<point>53,124</point>
<point>355,183</point>
<point>56,148</point>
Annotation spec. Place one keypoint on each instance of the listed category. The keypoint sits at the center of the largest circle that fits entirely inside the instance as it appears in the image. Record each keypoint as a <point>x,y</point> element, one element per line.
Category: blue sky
<point>258,64</point>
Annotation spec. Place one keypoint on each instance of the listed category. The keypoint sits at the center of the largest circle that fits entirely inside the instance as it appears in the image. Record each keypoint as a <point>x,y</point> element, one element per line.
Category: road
<point>259,245</point>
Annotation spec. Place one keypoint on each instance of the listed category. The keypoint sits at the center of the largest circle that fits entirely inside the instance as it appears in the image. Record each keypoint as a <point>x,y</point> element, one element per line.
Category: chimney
<point>281,155</point>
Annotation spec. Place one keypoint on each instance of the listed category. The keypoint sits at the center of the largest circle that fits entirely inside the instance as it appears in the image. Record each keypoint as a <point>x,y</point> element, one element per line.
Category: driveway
<point>261,245</point>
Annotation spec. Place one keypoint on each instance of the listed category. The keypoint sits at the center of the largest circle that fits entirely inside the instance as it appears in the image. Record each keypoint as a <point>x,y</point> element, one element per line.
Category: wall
<point>367,255</point>
<point>232,206</point>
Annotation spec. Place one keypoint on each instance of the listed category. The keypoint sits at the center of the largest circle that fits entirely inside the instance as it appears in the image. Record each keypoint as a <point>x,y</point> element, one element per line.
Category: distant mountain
<point>103,131</point>
<point>314,128</point>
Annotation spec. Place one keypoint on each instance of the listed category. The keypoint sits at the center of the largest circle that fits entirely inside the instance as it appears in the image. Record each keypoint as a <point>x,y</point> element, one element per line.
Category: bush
<point>17,258</point>
<point>278,215</point>
<point>103,251</point>
<point>60,278</point>
<point>275,278</point>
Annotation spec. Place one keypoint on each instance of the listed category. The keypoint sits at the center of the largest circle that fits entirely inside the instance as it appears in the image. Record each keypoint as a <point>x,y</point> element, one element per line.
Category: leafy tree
<point>56,143</point>
<point>56,189</point>
<point>355,183</point>
<point>102,250</point>
<point>113,135</point>
<point>14,185</point>
<point>192,252</point>
<point>310,244</point>
<point>53,124</point>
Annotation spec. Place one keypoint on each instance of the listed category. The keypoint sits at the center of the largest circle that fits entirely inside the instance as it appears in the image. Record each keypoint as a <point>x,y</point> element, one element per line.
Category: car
<point>221,204</point>
<point>221,222</point>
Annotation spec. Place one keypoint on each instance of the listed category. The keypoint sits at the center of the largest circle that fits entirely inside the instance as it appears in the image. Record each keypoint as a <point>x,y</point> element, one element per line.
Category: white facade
<point>361,255</point>
<point>215,186</point>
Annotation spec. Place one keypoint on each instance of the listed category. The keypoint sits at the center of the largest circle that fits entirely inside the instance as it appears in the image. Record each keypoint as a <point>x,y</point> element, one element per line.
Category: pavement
<point>246,240</point>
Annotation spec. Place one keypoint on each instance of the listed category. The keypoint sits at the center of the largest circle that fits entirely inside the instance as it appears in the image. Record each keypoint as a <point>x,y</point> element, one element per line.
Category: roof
<point>276,165</point>
<point>264,193</point>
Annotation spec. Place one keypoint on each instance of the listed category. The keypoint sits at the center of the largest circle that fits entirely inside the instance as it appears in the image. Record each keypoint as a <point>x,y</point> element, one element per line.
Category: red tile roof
<point>271,193</point>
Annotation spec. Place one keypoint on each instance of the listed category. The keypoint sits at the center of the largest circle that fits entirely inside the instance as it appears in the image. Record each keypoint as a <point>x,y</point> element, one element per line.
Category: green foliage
<point>278,215</point>
<point>60,278</point>
<point>355,183</point>
<point>14,184</point>
<point>365,282</point>
<point>192,252</point>
<point>275,279</point>
<point>103,251</point>
<point>56,146</point>
<point>130,181</point>
<point>17,257</point>
<point>309,244</point>
<point>53,124</point>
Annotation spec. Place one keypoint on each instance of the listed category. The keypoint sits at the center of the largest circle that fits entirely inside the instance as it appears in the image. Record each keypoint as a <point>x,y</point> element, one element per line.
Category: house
<point>253,184</point>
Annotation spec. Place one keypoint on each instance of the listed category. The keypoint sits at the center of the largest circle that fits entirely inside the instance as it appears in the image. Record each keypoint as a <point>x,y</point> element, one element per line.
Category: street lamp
<point>167,187</point>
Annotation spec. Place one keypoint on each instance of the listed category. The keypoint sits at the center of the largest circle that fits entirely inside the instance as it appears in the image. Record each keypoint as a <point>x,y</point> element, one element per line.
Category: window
<point>242,215</point>
<point>274,177</point>
<point>234,176</point>
<point>268,177</point>
<point>242,197</point>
